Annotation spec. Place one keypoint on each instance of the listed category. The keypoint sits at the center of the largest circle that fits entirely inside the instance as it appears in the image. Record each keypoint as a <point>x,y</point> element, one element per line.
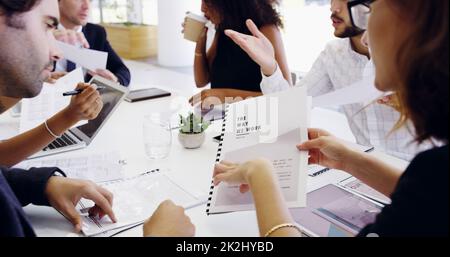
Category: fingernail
<point>94,86</point>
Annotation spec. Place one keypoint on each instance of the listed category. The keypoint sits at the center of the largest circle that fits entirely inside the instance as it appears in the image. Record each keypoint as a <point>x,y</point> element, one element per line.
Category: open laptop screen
<point>112,95</point>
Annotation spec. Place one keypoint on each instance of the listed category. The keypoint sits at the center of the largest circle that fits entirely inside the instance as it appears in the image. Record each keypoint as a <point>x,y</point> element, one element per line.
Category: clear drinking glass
<point>157,136</point>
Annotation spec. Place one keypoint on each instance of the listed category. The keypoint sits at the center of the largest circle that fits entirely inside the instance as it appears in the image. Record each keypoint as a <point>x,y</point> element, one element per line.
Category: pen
<point>78,91</point>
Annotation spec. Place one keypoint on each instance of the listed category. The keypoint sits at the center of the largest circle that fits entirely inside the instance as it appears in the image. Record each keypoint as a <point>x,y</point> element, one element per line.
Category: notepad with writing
<point>267,127</point>
<point>135,200</point>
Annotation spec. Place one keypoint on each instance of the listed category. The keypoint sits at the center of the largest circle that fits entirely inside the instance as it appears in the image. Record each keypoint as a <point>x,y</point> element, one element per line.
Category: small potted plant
<point>192,131</point>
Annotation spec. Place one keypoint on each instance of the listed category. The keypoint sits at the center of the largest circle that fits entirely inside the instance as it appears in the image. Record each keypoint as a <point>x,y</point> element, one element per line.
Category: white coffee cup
<point>194,26</point>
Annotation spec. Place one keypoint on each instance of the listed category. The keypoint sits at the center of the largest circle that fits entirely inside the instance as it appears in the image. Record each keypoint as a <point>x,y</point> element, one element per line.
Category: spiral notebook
<point>135,200</point>
<point>267,127</point>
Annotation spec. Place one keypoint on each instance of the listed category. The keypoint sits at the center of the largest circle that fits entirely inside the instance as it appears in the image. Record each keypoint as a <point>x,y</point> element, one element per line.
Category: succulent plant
<point>193,124</point>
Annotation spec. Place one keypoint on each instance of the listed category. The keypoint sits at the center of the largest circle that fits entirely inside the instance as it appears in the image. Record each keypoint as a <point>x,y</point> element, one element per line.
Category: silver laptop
<point>80,137</point>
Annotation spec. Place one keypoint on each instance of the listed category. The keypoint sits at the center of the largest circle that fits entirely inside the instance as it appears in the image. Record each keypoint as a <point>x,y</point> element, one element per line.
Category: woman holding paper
<point>231,72</point>
<point>410,47</point>
<point>85,106</point>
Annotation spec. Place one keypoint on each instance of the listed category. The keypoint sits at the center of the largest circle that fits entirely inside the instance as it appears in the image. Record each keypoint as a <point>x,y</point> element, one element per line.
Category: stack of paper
<point>93,167</point>
<point>135,200</point>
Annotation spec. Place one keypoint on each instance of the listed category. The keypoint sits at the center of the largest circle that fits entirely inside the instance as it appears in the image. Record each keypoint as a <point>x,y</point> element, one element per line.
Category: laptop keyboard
<point>60,142</point>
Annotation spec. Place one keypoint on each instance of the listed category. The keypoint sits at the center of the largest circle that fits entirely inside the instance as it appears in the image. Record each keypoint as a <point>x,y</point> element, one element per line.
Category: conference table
<point>190,169</point>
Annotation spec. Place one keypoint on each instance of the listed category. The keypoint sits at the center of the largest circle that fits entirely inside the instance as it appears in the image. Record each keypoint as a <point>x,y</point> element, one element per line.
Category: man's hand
<point>54,76</point>
<point>86,105</point>
<point>71,37</point>
<point>64,194</point>
<point>104,74</point>
<point>169,220</point>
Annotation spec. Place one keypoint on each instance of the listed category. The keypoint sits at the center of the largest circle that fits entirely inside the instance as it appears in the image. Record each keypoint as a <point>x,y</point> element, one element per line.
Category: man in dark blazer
<point>28,25</point>
<point>74,17</point>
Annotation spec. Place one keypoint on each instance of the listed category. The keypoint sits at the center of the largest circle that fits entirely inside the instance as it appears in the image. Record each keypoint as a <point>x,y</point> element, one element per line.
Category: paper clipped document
<point>49,102</point>
<point>267,127</point>
<point>94,167</point>
<point>86,58</point>
<point>135,200</point>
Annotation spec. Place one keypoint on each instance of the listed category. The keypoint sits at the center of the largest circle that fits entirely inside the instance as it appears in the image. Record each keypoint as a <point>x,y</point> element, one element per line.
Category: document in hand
<point>49,102</point>
<point>86,58</point>
<point>135,200</point>
<point>267,127</point>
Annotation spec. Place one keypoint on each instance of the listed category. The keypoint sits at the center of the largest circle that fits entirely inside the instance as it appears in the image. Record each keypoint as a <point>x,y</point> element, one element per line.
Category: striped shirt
<point>339,66</point>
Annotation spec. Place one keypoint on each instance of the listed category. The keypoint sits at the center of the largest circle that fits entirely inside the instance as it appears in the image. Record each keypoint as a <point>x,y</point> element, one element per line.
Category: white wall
<point>173,49</point>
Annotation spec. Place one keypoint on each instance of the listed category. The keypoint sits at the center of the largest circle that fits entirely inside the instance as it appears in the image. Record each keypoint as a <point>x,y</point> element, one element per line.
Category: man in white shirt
<point>340,65</point>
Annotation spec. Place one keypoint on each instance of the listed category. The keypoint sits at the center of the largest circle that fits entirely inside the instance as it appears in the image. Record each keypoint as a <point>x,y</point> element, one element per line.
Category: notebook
<point>135,200</point>
<point>267,127</point>
<point>334,211</point>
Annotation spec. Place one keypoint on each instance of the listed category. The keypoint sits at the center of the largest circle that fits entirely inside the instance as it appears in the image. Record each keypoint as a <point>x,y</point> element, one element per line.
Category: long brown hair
<point>423,63</point>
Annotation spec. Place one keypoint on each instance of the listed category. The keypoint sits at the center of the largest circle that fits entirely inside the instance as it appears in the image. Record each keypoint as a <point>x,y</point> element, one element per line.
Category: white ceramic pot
<point>191,141</point>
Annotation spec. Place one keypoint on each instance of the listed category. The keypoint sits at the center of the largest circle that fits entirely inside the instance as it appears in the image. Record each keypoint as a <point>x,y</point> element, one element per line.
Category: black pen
<point>78,91</point>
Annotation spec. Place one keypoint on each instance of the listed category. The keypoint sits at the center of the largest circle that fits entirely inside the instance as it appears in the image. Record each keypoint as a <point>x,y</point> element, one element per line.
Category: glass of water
<point>157,136</point>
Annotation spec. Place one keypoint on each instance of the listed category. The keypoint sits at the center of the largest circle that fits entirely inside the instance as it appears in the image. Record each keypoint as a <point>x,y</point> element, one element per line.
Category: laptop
<point>80,137</point>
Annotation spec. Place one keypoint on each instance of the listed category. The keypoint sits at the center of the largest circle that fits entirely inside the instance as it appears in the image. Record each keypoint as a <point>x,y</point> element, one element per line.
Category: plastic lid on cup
<point>197,17</point>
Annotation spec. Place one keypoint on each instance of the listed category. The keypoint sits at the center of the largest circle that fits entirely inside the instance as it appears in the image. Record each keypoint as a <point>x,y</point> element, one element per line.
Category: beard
<point>22,67</point>
<point>20,84</point>
<point>350,31</point>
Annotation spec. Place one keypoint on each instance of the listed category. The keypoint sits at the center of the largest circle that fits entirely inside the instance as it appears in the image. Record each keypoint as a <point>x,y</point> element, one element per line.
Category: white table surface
<point>192,169</point>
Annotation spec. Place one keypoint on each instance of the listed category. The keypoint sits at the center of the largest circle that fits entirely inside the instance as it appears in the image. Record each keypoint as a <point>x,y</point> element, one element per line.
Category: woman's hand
<point>85,106</point>
<point>208,98</point>
<point>391,101</point>
<point>202,39</point>
<point>326,150</point>
<point>258,47</point>
<point>169,220</point>
<point>240,174</point>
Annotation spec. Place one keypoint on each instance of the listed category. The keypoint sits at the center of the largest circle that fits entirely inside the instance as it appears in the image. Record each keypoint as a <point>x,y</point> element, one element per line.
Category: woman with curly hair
<point>231,72</point>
